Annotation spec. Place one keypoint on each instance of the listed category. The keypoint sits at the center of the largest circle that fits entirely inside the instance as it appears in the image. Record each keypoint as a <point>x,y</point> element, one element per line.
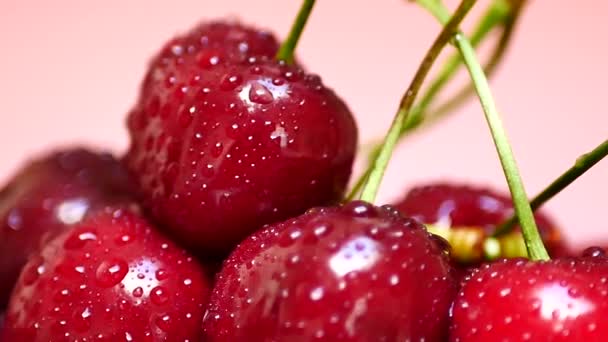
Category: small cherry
<point>48,195</point>
<point>355,272</point>
<point>110,278</point>
<point>467,215</point>
<point>221,146</point>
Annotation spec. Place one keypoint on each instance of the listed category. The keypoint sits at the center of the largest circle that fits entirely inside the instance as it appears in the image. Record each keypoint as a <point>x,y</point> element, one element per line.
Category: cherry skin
<point>521,300</point>
<point>210,41</point>
<point>474,209</point>
<point>50,194</point>
<point>110,278</point>
<point>350,273</point>
<point>222,148</point>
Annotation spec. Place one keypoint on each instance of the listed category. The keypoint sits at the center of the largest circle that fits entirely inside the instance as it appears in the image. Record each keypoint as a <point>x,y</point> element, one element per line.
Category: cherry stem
<point>582,165</point>
<point>499,12</point>
<point>370,190</point>
<point>288,47</point>
<point>534,244</point>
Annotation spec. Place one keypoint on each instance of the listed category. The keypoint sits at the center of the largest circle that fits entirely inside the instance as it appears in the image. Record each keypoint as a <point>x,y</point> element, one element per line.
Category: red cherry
<point>205,45</point>
<point>244,145</point>
<point>521,300</point>
<point>474,209</point>
<point>351,273</point>
<point>111,278</point>
<point>50,194</point>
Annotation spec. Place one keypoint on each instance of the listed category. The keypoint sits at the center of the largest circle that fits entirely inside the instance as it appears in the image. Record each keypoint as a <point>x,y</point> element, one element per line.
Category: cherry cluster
<point>226,220</point>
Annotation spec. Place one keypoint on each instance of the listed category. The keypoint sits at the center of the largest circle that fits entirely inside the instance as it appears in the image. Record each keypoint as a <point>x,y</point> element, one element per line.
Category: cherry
<point>50,194</point>
<point>351,273</point>
<point>220,149</point>
<point>206,44</point>
<point>474,212</point>
<point>112,277</point>
<point>520,300</point>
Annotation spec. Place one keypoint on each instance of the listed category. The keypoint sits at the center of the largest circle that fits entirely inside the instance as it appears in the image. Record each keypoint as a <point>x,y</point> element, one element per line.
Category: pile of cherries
<point>224,221</point>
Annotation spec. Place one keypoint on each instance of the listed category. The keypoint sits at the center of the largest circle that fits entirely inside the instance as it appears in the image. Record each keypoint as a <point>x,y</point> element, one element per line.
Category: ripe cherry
<point>112,277</point>
<point>350,273</point>
<point>221,148</point>
<point>50,194</point>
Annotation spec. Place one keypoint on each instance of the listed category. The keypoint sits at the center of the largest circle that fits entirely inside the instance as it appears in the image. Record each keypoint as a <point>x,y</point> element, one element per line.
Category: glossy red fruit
<point>476,209</point>
<point>209,42</point>
<point>351,273</point>
<point>47,196</point>
<point>111,278</point>
<point>520,300</point>
<point>220,149</point>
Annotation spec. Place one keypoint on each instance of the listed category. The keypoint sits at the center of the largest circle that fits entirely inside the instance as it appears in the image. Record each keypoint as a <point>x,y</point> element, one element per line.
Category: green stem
<point>582,165</point>
<point>499,12</point>
<point>461,96</point>
<point>534,244</point>
<point>286,50</point>
<point>375,177</point>
<point>496,14</point>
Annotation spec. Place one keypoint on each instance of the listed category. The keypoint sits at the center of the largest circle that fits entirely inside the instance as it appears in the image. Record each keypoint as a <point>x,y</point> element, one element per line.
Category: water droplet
<point>177,50</point>
<point>360,209</point>
<point>317,293</point>
<point>163,322</point>
<point>187,281</point>
<point>123,239</point>
<point>186,116</point>
<point>82,320</point>
<point>79,238</point>
<point>33,271</point>
<point>111,272</point>
<point>207,59</point>
<point>230,82</point>
<point>14,219</point>
<point>138,292</point>
<point>162,274</point>
<point>258,93</point>
<point>159,295</point>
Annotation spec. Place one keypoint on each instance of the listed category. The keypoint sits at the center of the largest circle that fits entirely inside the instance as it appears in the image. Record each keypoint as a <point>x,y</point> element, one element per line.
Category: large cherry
<point>47,196</point>
<point>209,41</point>
<point>473,213</point>
<point>521,300</point>
<point>220,148</point>
<point>350,273</point>
<point>111,278</point>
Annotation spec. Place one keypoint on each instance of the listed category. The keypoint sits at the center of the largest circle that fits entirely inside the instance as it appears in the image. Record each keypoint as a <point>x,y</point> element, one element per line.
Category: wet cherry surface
<point>111,278</point>
<point>50,194</point>
<point>520,300</point>
<point>221,148</point>
<point>352,273</point>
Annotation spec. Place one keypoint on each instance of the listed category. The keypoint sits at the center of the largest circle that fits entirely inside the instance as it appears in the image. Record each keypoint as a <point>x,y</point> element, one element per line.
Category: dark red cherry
<point>351,273</point>
<point>243,145</point>
<point>521,300</point>
<point>467,215</point>
<point>207,44</point>
<point>110,278</point>
<point>50,194</point>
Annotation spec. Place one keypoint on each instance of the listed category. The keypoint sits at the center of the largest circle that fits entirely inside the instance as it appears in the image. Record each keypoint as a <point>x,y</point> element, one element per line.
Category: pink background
<point>69,71</point>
